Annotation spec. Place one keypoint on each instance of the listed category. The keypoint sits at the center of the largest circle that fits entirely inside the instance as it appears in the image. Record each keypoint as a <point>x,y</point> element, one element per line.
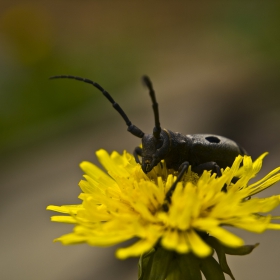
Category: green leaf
<point>189,265</point>
<point>220,250</point>
<point>184,266</point>
<point>156,265</point>
<point>174,271</point>
<point>161,264</point>
<point>211,269</point>
<point>241,251</point>
<point>143,263</point>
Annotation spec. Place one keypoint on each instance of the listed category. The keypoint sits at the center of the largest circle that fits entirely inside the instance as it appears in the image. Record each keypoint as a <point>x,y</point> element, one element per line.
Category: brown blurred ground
<point>215,68</point>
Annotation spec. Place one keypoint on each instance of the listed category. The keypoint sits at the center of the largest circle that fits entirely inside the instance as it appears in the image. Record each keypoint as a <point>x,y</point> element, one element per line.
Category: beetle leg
<point>210,166</point>
<point>182,169</point>
<point>213,166</point>
<point>234,180</point>
<point>137,152</point>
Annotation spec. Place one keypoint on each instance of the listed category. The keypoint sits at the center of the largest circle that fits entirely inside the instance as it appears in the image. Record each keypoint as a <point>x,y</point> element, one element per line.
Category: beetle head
<point>153,150</point>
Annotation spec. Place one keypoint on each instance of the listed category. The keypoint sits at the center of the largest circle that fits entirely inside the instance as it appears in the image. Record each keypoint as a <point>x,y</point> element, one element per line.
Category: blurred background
<point>215,66</point>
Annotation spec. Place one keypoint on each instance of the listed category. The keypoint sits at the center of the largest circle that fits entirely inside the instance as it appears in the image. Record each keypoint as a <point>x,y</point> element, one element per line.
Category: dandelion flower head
<point>126,203</point>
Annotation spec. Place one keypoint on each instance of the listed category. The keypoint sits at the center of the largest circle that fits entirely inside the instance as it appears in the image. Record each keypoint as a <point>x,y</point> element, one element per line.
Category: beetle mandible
<point>201,151</point>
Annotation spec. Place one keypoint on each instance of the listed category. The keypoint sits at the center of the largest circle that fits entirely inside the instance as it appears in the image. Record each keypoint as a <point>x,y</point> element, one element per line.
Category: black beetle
<point>201,151</point>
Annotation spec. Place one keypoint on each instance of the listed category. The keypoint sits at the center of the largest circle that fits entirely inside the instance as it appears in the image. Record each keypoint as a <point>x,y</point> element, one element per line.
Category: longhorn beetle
<point>201,151</point>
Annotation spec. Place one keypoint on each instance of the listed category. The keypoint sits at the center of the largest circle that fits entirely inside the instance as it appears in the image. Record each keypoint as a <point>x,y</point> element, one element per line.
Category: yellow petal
<point>274,226</point>
<point>136,249</point>
<point>226,237</point>
<point>67,209</point>
<point>198,246</point>
<point>170,239</point>
<point>95,172</point>
<point>183,245</point>
<point>110,165</point>
<point>64,219</point>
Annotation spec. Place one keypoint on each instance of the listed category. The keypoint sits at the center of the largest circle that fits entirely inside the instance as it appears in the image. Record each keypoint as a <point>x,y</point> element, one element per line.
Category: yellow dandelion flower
<point>126,203</point>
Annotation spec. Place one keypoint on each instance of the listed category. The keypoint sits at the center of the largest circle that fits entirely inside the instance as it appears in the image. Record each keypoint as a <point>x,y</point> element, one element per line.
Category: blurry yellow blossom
<point>126,203</point>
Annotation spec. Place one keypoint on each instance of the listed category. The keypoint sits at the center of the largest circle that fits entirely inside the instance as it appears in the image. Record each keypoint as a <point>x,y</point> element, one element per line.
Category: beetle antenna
<point>157,129</point>
<point>130,127</point>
